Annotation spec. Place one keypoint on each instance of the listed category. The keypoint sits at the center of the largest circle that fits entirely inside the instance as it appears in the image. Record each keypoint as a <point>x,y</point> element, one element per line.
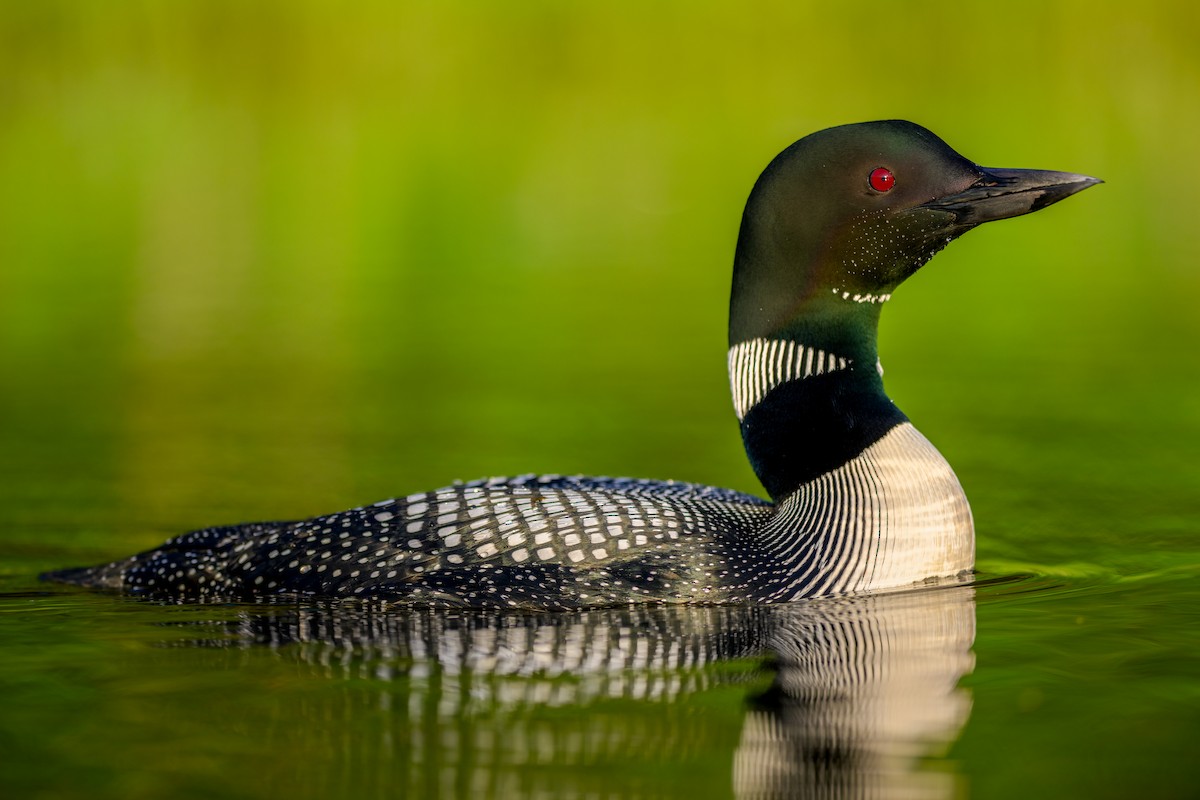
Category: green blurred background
<point>272,259</point>
<point>264,259</point>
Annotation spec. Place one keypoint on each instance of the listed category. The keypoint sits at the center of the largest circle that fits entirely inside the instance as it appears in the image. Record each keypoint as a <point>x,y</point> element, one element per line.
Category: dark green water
<point>276,259</point>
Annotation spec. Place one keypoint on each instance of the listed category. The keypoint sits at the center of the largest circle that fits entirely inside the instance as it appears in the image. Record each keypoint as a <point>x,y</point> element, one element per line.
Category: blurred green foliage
<point>273,258</point>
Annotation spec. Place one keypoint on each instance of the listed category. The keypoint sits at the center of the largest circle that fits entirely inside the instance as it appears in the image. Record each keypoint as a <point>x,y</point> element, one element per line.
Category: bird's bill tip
<point>1003,193</point>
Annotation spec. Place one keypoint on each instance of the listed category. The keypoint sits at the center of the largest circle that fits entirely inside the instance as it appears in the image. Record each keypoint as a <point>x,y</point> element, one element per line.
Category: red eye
<point>882,179</point>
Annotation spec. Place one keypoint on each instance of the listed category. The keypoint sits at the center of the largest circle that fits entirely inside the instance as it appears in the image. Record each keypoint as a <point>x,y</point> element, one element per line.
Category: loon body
<point>860,499</point>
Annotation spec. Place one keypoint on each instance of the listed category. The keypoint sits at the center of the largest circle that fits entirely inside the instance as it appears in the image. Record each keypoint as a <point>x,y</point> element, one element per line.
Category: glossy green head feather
<point>840,218</point>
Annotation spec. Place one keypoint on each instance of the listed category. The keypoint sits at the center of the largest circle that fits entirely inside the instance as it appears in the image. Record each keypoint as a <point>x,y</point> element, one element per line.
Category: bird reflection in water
<point>860,693</point>
<point>865,689</point>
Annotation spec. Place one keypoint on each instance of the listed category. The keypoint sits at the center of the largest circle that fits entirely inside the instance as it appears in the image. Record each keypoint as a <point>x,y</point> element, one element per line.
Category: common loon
<point>860,499</point>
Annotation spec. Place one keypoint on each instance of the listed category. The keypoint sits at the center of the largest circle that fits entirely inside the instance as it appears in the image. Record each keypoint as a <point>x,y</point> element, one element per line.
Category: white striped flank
<point>759,365</point>
<point>893,516</point>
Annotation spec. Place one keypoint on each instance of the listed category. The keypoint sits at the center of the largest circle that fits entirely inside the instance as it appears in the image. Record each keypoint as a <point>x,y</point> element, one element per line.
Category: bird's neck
<point>810,396</point>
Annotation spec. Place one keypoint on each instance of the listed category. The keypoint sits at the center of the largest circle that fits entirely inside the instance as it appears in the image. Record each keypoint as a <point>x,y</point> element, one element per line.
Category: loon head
<point>834,224</point>
<point>842,217</point>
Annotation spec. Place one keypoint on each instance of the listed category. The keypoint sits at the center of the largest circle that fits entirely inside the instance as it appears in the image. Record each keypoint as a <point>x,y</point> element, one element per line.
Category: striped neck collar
<point>757,366</point>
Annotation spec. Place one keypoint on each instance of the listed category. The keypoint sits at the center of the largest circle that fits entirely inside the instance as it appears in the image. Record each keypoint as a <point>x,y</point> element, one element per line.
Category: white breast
<point>894,515</point>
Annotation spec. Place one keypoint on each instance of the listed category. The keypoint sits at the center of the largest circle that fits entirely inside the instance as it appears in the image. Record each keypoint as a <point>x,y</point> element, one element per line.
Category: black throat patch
<point>803,429</point>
